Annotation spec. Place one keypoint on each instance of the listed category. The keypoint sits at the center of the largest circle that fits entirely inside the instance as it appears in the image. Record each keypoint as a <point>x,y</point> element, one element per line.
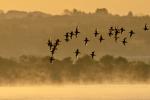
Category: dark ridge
<point>38,70</point>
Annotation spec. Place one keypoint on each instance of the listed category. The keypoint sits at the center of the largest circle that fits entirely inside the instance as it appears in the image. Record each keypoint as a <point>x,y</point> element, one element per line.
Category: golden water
<point>76,92</point>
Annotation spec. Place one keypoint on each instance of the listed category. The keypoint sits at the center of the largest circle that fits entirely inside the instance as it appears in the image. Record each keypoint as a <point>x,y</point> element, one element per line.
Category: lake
<point>76,92</point>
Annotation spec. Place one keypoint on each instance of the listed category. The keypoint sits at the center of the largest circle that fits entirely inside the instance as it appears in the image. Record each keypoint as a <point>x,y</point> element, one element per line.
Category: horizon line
<point>62,12</point>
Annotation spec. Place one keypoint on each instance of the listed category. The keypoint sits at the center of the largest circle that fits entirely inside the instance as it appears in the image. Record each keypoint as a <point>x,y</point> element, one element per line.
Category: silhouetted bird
<point>111,29</point>
<point>124,41</point>
<point>66,37</point>
<point>53,51</point>
<point>51,60</point>
<point>110,33</point>
<point>55,47</point>
<point>77,32</point>
<point>71,34</point>
<point>86,40</point>
<point>50,44</point>
<point>146,27</point>
<point>93,54</point>
<point>77,52</point>
<point>122,30</point>
<point>131,33</point>
<point>96,33</point>
<point>57,42</point>
<point>101,38</point>
<point>116,32</point>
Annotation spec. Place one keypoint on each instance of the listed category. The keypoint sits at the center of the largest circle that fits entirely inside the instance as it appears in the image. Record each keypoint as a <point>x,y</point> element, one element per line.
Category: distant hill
<point>27,33</point>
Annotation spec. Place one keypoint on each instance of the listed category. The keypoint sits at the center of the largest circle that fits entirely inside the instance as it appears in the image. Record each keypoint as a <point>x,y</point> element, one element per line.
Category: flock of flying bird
<point>113,31</point>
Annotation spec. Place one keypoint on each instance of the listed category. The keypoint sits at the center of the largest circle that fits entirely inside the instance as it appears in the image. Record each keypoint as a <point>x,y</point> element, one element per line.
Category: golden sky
<point>57,6</point>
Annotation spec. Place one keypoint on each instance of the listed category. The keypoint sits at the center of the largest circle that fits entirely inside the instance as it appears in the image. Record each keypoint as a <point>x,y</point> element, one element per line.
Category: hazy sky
<point>57,6</point>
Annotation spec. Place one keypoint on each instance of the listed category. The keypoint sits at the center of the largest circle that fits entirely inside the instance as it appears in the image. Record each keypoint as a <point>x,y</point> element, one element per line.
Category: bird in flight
<point>131,33</point>
<point>111,29</point>
<point>101,38</point>
<point>77,32</point>
<point>86,41</point>
<point>93,54</point>
<point>50,44</point>
<point>116,32</point>
<point>122,30</point>
<point>66,37</point>
<point>110,33</point>
<point>77,52</point>
<point>96,33</point>
<point>57,42</point>
<point>53,50</point>
<point>146,27</point>
<point>71,34</point>
<point>124,41</point>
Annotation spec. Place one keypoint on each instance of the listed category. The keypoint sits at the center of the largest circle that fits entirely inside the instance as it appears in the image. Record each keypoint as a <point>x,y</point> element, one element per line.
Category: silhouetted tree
<point>130,14</point>
<point>102,11</point>
<point>67,12</point>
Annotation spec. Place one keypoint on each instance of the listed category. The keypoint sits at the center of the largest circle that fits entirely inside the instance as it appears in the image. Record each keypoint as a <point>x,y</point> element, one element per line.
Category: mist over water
<point>77,92</point>
<point>88,79</point>
<point>38,71</point>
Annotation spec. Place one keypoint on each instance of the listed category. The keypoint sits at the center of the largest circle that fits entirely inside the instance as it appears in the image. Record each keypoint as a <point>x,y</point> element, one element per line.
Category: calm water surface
<point>76,92</point>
